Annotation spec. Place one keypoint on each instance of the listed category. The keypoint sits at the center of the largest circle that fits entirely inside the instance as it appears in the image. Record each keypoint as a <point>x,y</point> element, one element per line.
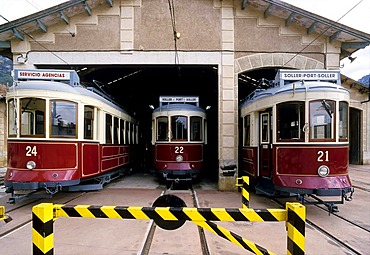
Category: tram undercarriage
<point>267,188</point>
<point>47,190</point>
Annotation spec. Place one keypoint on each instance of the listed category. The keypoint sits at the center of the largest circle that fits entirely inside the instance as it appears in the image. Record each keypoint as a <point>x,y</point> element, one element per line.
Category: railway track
<point>27,205</point>
<point>148,238</point>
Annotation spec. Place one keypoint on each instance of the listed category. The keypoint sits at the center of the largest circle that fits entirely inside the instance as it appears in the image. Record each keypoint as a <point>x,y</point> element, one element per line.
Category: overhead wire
<point>173,22</point>
<point>322,33</point>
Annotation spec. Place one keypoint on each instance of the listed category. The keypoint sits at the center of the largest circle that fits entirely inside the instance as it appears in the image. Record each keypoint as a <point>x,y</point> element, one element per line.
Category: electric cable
<point>322,33</point>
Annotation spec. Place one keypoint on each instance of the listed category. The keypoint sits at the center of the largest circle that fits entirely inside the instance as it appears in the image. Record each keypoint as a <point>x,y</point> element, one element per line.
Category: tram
<point>63,136</point>
<point>179,137</point>
<point>295,136</point>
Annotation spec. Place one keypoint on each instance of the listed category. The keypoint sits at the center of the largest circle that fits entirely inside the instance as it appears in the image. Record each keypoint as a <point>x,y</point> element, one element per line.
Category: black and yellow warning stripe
<point>243,182</point>
<point>232,237</point>
<point>42,229</point>
<point>43,216</point>
<point>296,224</point>
<point>170,213</point>
<point>2,213</point>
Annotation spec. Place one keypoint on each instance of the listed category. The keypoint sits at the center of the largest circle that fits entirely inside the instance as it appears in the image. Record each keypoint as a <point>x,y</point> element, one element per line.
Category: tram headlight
<point>31,165</point>
<point>323,171</point>
<point>179,158</point>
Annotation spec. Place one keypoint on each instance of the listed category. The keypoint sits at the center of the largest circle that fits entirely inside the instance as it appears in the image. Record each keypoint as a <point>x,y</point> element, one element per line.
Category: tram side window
<point>179,128</point>
<point>132,133</point>
<point>322,119</point>
<point>115,130</point>
<point>162,129</point>
<point>343,121</point>
<point>122,131</point>
<point>33,119</point>
<point>290,121</point>
<point>247,130</point>
<point>12,117</point>
<point>108,129</point>
<point>88,122</point>
<point>127,130</point>
<point>196,128</point>
<point>63,118</point>
<point>265,128</point>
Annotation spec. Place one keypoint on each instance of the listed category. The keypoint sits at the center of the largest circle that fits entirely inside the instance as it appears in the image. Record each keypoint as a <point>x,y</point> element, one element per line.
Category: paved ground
<point>105,236</point>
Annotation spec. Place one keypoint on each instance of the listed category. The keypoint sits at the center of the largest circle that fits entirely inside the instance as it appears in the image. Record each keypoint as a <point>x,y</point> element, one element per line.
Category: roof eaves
<point>37,16</point>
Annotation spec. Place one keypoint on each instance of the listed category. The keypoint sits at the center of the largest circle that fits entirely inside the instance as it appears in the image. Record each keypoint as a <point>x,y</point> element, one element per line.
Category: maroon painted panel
<point>90,159</point>
<point>110,150</point>
<point>313,182</point>
<point>265,160</point>
<point>114,156</point>
<point>46,155</point>
<point>41,176</point>
<point>165,156</point>
<point>168,152</point>
<point>110,163</point>
<point>305,160</point>
<point>249,155</point>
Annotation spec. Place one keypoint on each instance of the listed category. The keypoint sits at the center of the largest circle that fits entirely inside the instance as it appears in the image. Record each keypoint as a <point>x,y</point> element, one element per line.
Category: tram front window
<point>162,129</point>
<point>290,121</point>
<point>12,120</point>
<point>179,128</point>
<point>343,121</point>
<point>322,119</point>
<point>63,118</point>
<point>196,129</point>
<point>33,119</point>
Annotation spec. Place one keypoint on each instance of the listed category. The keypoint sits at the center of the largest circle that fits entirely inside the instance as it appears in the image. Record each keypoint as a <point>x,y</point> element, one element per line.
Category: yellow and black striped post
<point>244,183</point>
<point>42,229</point>
<point>296,224</point>
<point>2,213</point>
<point>3,216</point>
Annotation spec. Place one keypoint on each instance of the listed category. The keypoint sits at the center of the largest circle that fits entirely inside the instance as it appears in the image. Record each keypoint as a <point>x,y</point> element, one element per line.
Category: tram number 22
<point>179,149</point>
<point>31,151</point>
<point>322,156</point>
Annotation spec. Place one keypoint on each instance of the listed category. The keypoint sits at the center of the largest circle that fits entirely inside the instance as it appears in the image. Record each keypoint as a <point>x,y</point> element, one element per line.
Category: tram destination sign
<point>41,75</point>
<point>178,99</point>
<point>309,75</point>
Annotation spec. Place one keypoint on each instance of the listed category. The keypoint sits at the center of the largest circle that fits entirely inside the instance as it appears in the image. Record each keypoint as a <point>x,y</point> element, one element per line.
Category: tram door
<point>265,160</point>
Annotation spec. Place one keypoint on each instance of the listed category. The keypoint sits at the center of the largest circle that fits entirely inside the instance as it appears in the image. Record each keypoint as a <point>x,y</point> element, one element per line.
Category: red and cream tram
<point>295,136</point>
<point>178,138</point>
<point>61,134</point>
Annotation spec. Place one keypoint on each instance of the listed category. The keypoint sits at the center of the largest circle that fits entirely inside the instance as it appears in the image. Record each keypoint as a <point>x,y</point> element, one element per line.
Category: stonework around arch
<point>263,60</point>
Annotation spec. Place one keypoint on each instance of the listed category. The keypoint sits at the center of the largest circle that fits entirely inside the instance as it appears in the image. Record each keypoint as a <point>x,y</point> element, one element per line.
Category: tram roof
<point>352,39</point>
<point>178,107</point>
<point>293,87</point>
<point>63,88</point>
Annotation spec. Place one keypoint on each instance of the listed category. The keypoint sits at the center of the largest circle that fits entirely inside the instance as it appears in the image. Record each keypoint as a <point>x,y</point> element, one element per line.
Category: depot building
<point>138,50</point>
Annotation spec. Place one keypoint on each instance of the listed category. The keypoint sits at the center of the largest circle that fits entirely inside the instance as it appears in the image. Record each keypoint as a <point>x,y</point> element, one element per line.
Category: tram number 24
<point>31,151</point>
<point>322,156</point>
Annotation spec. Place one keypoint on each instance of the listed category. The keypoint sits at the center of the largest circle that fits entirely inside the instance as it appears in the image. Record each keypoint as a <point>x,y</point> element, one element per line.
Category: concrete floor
<point>112,236</point>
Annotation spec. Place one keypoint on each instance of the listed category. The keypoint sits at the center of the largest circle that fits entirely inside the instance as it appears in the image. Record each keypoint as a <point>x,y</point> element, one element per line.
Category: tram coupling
<point>348,197</point>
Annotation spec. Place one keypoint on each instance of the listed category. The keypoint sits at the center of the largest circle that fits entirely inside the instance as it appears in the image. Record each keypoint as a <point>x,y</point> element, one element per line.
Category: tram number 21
<point>322,156</point>
<point>31,151</point>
